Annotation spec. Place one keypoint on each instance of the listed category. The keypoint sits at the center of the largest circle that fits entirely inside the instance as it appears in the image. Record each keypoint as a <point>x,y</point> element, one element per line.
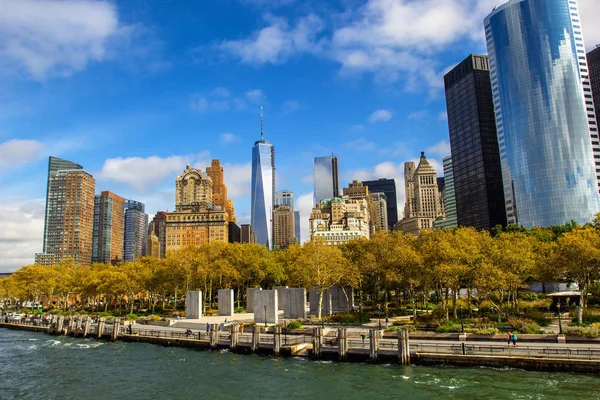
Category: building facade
<point>55,164</point>
<point>219,190</point>
<point>547,140</point>
<point>284,198</point>
<point>158,226</point>
<point>109,220</point>
<point>70,216</point>
<point>247,234</point>
<point>593,60</point>
<point>297,227</point>
<point>378,211</point>
<point>477,174</point>
<point>153,246</point>
<point>136,231</point>
<point>263,191</point>
<point>338,220</point>
<point>44,259</point>
<point>283,227</point>
<point>387,187</point>
<point>422,196</point>
<point>326,178</point>
<point>449,200</point>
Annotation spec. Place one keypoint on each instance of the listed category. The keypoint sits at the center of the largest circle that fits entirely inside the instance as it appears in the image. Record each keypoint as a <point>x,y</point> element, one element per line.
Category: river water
<point>38,366</point>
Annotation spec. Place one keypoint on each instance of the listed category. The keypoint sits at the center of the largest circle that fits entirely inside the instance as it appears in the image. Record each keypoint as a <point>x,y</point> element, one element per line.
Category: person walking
<point>207,328</point>
<point>514,339</point>
<point>509,338</point>
<point>363,339</point>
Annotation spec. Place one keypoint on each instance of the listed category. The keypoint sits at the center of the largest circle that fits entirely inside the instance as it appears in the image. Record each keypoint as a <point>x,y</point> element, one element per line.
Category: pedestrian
<point>509,338</point>
<point>130,329</point>
<point>363,339</point>
<point>188,332</point>
<point>514,339</point>
<point>207,328</point>
<point>387,320</point>
<point>242,329</point>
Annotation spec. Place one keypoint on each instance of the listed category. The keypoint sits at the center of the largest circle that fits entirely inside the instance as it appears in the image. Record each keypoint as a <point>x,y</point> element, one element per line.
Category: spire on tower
<point>262,134</point>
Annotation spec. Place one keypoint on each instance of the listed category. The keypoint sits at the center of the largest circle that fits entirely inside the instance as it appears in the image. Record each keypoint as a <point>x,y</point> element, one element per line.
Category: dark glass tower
<point>387,187</point>
<point>475,157</point>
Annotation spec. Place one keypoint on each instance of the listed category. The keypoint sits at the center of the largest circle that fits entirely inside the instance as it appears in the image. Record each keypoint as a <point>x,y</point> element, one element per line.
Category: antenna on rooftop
<point>262,134</point>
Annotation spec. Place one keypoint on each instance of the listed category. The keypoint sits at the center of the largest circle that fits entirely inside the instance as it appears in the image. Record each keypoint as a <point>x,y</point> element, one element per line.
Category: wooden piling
<point>100,331</point>
<point>235,337</point>
<point>70,326</point>
<point>255,338</point>
<point>213,336</point>
<point>403,348</point>
<point>276,341</point>
<point>86,326</point>
<point>373,345</point>
<point>78,321</point>
<point>115,329</point>
<point>342,344</point>
<point>317,342</point>
<point>59,325</point>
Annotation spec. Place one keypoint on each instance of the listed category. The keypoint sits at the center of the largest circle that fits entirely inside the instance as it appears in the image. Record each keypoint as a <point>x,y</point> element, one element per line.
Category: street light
<point>559,319</point>
<point>265,317</point>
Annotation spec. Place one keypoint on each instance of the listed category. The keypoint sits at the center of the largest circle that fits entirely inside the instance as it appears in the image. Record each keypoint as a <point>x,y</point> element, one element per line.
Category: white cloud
<point>221,92</point>
<point>228,138</point>
<point>304,204</point>
<point>443,116</point>
<point>418,114</point>
<point>201,104</point>
<point>51,37</point>
<point>360,144</point>
<point>589,11</point>
<point>380,115</point>
<point>143,174</point>
<point>255,96</point>
<point>22,232</point>
<point>277,42</point>
<point>441,149</point>
<point>290,106</point>
<point>238,178</point>
<point>16,152</point>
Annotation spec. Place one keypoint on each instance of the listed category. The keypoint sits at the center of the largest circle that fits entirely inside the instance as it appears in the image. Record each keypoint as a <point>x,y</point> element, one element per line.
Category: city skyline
<point>134,103</point>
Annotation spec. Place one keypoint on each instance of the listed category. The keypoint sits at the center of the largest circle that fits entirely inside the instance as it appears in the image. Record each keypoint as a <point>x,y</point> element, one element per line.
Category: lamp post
<point>462,324</point>
<point>559,319</point>
<point>265,317</point>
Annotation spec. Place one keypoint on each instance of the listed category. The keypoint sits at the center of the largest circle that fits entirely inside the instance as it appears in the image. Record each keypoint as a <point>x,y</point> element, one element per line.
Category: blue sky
<point>136,89</point>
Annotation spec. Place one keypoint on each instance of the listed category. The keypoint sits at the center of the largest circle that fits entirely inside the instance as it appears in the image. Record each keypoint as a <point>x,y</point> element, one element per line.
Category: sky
<point>135,90</point>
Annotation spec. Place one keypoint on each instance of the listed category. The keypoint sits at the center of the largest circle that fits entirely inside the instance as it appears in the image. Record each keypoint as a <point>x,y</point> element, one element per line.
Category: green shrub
<point>592,331</point>
<point>294,325</point>
<point>528,296</point>
<point>487,330</point>
<point>132,317</point>
<point>590,316</point>
<point>105,315</point>
<point>211,311</point>
<point>239,310</point>
<point>348,318</point>
<point>396,328</point>
<point>524,325</point>
<point>448,327</point>
<point>539,317</point>
<point>154,318</point>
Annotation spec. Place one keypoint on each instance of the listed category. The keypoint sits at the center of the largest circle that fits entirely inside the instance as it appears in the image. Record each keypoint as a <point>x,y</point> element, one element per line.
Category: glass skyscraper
<point>263,191</point>
<point>540,89</point>
<point>387,187</point>
<point>326,178</point>
<point>136,231</point>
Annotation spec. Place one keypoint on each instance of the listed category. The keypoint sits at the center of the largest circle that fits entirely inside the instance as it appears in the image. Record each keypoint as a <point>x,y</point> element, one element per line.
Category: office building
<point>195,221</point>
<point>158,226</point>
<point>593,60</point>
<point>263,190</point>
<point>387,187</point>
<point>297,227</point>
<point>153,246</point>
<point>234,233</point>
<point>326,178</point>
<point>378,212</point>
<point>449,200</point>
<point>283,227</point>
<point>136,231</point>
<point>44,259</point>
<point>247,234</point>
<point>422,197</point>
<point>108,240</point>
<point>476,170</point>
<point>548,141</point>
<point>284,198</point>
<point>219,190</point>
<point>338,220</point>
<point>55,164</point>
<point>70,215</point>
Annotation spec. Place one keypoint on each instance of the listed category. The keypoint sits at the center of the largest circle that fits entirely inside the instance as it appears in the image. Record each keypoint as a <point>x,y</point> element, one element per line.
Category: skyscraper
<point>422,197</point>
<point>449,199</point>
<point>136,231</point>
<point>158,226</point>
<point>284,198</point>
<point>378,211</point>
<point>70,216</point>
<point>55,164</point>
<point>283,227</point>
<point>326,178</point>
<point>387,187</point>
<point>475,160</point>
<point>297,227</point>
<point>263,190</point>
<point>593,59</point>
<point>108,241</point>
<point>537,61</point>
<point>219,190</point>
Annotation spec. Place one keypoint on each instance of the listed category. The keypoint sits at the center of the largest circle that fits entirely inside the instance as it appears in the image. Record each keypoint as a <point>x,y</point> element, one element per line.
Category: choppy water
<point>38,366</point>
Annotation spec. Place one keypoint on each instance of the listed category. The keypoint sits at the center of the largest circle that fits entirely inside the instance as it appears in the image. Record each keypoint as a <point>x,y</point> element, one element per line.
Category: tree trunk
<point>319,314</point>
<point>446,302</point>
<point>454,298</point>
